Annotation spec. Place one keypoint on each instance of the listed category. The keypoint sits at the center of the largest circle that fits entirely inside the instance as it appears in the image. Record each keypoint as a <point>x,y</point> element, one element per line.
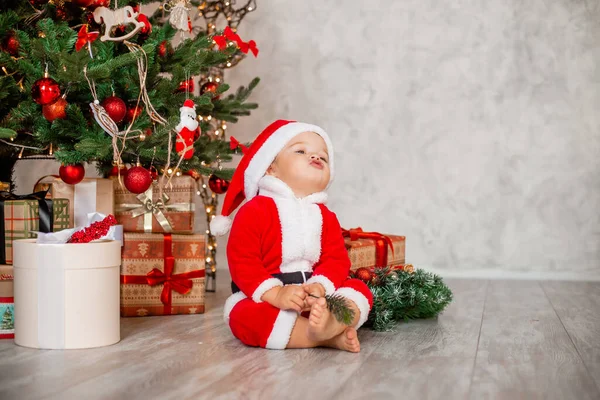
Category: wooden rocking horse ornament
<point>114,18</point>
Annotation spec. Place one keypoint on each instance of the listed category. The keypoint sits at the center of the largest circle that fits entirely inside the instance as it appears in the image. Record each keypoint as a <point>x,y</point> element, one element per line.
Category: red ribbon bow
<point>234,144</point>
<point>229,34</point>
<point>181,283</point>
<point>381,243</point>
<point>84,37</point>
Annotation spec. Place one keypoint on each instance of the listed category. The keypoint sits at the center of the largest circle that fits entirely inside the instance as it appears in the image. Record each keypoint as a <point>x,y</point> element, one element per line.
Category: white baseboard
<point>517,275</point>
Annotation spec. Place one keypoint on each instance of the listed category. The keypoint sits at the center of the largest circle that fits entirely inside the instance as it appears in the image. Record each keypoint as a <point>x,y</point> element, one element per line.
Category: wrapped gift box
<point>147,213</point>
<point>7,307</point>
<point>372,249</point>
<point>19,219</point>
<point>89,195</point>
<point>66,295</point>
<point>162,274</point>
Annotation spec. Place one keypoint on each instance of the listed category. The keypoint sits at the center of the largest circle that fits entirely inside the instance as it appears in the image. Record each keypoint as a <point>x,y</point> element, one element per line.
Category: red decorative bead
<point>56,110</point>
<point>45,91</point>
<point>364,274</point>
<point>194,174</point>
<point>99,3</point>
<point>162,49</point>
<point>186,86</point>
<point>10,44</point>
<point>82,3</point>
<point>209,87</point>
<point>115,108</point>
<point>93,232</point>
<point>71,174</point>
<point>217,185</point>
<point>138,180</point>
<point>134,112</point>
<point>115,171</point>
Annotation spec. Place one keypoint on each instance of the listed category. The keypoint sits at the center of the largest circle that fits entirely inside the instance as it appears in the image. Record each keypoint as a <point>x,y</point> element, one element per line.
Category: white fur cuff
<point>360,300</point>
<point>265,286</point>
<point>323,280</point>
<point>282,330</point>
<point>230,303</point>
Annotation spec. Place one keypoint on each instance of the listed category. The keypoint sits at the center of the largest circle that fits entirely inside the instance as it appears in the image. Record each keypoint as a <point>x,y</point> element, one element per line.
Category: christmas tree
<point>85,81</point>
<point>58,57</point>
<point>7,320</point>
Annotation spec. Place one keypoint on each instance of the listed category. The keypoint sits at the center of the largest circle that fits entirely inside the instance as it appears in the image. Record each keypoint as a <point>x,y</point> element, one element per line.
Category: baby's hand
<point>290,297</point>
<point>314,289</point>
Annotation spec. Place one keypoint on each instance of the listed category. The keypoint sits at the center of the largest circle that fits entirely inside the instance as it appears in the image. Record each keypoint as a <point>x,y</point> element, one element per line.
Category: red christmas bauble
<point>56,110</point>
<point>138,180</point>
<point>45,91</point>
<point>186,86</point>
<point>364,274</point>
<point>209,87</point>
<point>82,3</point>
<point>71,174</point>
<point>217,185</point>
<point>162,49</point>
<point>115,108</point>
<point>10,44</point>
<point>116,172</point>
<point>134,112</point>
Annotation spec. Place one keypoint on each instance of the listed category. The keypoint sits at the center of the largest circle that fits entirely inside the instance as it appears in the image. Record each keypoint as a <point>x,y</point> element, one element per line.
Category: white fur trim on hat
<point>220,225</point>
<point>272,146</point>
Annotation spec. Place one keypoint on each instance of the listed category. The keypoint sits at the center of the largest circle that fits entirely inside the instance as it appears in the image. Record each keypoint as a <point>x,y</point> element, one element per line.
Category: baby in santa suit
<point>285,249</point>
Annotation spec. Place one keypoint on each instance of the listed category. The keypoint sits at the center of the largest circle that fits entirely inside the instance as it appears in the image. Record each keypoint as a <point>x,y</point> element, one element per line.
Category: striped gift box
<point>21,220</point>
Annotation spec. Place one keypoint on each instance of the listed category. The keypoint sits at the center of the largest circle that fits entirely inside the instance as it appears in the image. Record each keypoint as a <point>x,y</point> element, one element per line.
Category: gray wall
<point>469,126</point>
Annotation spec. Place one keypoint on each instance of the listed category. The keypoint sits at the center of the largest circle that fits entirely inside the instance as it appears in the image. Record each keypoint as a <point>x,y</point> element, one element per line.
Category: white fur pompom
<point>220,225</point>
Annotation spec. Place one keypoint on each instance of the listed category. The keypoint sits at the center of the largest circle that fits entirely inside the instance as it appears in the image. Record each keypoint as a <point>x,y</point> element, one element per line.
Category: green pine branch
<point>401,296</point>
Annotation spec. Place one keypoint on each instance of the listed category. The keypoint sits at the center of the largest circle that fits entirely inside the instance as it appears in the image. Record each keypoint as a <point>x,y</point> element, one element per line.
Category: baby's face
<point>303,164</point>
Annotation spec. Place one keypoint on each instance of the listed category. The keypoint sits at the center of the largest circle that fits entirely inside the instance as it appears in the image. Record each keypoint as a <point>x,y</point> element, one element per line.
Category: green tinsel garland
<point>400,295</point>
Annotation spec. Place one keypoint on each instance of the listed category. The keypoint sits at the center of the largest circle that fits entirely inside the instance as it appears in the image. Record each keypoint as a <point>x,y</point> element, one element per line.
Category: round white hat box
<point>66,295</point>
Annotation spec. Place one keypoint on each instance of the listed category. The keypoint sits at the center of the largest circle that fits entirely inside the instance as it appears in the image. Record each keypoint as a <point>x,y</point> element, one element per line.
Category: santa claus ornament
<point>187,130</point>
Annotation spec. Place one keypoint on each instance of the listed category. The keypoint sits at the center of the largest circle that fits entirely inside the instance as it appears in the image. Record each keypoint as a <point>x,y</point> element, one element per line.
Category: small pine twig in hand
<point>338,306</point>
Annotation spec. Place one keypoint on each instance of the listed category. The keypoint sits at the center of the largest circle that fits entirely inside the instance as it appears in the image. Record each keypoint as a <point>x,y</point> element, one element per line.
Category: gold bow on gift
<point>150,208</point>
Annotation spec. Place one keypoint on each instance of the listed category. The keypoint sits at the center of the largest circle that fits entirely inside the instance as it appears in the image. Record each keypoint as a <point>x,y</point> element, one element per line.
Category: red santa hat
<point>254,165</point>
<point>188,105</point>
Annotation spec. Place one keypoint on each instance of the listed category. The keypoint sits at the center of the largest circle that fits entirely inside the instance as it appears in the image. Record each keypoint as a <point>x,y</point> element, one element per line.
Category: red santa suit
<point>276,236</point>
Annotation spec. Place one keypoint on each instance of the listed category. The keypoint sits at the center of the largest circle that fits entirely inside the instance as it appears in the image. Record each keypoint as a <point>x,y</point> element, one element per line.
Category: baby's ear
<point>270,170</point>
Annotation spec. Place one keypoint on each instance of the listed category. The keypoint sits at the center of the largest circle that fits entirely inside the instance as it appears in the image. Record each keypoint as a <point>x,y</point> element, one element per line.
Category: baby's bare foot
<point>347,340</point>
<point>321,324</point>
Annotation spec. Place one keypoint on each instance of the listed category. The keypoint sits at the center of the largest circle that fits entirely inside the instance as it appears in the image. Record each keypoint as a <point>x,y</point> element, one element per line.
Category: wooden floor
<point>498,340</point>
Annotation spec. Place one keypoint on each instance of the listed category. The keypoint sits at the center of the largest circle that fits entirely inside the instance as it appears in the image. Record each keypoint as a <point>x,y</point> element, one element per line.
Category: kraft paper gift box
<point>89,195</point>
<point>66,295</point>
<point>146,212</point>
<point>7,312</point>
<point>372,249</point>
<point>19,219</point>
<point>162,274</point>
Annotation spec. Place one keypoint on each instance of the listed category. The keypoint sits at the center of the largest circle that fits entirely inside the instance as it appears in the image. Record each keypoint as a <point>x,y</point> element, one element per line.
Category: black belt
<point>288,278</point>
